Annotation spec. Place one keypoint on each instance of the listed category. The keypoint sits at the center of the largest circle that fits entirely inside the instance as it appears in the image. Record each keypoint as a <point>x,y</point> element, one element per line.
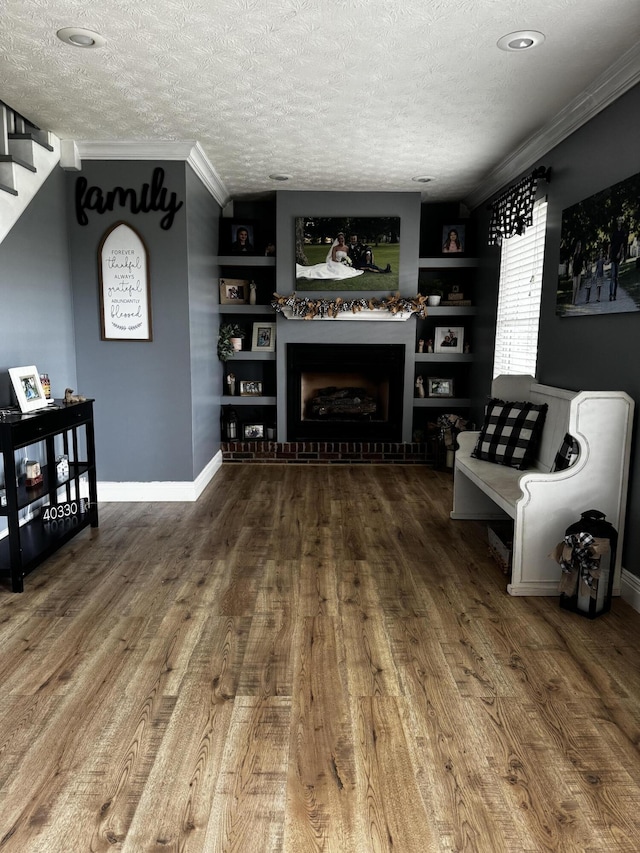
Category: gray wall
<point>404,205</point>
<point>292,204</point>
<point>36,312</point>
<point>157,403</point>
<point>143,390</point>
<point>580,353</point>
<point>203,215</point>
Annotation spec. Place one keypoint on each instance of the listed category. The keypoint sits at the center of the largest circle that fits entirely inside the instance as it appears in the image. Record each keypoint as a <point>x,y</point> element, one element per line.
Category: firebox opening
<point>350,392</point>
<point>355,396</point>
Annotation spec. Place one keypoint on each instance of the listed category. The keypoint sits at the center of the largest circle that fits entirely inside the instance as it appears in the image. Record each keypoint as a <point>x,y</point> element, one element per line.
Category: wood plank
<point>321,785</point>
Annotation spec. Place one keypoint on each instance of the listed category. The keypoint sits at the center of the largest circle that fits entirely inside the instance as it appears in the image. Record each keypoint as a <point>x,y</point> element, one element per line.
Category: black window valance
<point>512,212</point>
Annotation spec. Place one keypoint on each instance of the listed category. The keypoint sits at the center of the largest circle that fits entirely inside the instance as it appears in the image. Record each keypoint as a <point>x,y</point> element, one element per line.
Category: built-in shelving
<point>246,309</point>
<point>450,310</point>
<point>440,402</point>
<point>443,356</point>
<point>248,355</point>
<point>245,261</point>
<point>443,274</point>
<point>227,400</point>
<point>446,262</point>
<point>262,270</point>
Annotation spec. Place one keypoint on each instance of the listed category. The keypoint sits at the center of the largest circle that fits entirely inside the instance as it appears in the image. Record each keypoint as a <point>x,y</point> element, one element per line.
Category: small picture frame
<point>234,291</point>
<point>449,339</point>
<point>264,337</point>
<point>453,240</point>
<point>250,388</point>
<point>253,431</point>
<point>28,388</point>
<point>439,387</point>
<point>238,237</point>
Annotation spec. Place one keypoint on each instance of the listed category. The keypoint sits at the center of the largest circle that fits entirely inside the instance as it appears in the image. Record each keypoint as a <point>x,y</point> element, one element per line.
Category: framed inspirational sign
<point>125,294</point>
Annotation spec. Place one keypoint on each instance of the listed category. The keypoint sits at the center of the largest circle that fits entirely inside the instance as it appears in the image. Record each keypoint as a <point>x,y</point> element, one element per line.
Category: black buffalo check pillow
<point>511,433</point>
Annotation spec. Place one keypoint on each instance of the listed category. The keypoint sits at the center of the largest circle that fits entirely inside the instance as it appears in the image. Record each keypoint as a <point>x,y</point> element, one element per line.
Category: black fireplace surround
<point>356,374</point>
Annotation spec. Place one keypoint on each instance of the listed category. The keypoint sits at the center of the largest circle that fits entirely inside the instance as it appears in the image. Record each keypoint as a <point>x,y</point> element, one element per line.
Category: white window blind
<point>520,291</point>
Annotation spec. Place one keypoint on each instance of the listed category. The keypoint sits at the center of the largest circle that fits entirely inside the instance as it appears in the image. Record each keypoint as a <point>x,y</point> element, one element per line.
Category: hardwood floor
<point>309,658</point>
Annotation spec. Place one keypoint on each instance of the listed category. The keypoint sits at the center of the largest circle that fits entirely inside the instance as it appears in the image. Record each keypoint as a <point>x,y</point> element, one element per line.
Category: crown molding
<point>188,151</point>
<point>603,91</point>
<point>203,168</point>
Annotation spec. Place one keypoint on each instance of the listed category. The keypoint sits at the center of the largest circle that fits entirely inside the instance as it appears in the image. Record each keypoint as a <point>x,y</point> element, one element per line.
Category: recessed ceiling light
<point>422,179</point>
<point>279,177</point>
<point>521,40</point>
<point>79,37</point>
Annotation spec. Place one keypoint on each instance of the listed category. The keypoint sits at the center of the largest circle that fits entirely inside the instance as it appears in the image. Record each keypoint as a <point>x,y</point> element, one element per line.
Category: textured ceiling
<point>339,94</point>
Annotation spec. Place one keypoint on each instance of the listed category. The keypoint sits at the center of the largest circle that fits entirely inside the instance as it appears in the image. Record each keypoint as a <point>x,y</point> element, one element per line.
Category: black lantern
<point>230,424</point>
<point>588,563</point>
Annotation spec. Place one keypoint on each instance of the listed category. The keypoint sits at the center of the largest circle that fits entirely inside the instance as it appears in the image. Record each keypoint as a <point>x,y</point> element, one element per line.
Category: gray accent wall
<point>148,427</point>
<point>404,205</point>
<point>293,204</point>
<point>203,214</point>
<point>36,307</point>
<point>36,303</point>
<point>580,353</point>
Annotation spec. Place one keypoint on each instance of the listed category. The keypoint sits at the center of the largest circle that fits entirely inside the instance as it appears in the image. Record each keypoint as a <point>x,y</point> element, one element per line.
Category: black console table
<point>54,508</point>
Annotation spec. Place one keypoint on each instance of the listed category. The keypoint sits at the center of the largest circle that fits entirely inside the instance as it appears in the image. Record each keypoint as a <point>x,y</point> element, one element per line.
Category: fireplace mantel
<point>370,314</point>
<point>389,308</point>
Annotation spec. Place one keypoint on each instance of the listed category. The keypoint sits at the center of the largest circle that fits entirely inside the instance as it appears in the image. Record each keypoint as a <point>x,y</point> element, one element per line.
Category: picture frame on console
<point>449,339</point>
<point>28,388</point>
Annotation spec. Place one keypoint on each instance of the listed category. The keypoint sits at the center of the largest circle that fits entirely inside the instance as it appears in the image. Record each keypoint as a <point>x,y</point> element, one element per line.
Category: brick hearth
<point>338,452</point>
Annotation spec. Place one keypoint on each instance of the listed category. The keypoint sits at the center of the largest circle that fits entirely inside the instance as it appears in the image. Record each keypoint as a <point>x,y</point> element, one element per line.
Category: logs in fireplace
<point>342,403</point>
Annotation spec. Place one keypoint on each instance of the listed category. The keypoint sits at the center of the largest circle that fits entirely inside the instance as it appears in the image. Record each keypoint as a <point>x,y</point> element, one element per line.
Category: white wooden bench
<point>543,502</point>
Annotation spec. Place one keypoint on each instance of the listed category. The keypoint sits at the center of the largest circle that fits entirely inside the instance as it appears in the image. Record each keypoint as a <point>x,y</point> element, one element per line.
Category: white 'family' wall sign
<point>125,294</point>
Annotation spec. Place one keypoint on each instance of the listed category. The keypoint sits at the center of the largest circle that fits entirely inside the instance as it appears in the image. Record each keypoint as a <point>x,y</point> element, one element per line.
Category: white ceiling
<point>339,94</point>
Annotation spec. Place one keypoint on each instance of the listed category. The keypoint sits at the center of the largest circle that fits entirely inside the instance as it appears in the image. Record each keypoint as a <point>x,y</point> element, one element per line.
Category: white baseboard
<point>630,589</point>
<point>529,588</point>
<point>160,491</point>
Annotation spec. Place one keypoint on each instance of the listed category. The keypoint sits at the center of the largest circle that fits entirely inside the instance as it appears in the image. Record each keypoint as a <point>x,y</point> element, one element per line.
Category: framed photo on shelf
<point>449,339</point>
<point>438,387</point>
<point>264,337</point>
<point>453,240</point>
<point>238,237</point>
<point>253,431</point>
<point>250,388</point>
<point>234,291</point>
<point>28,388</point>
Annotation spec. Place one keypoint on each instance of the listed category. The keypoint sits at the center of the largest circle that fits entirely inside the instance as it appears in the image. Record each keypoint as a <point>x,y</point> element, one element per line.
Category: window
<point>516,348</point>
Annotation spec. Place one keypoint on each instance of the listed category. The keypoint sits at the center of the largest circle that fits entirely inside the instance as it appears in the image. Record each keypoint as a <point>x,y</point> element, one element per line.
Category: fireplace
<point>345,392</point>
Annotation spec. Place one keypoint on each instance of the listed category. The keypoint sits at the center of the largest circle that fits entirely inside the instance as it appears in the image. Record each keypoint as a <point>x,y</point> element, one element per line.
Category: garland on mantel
<point>330,308</point>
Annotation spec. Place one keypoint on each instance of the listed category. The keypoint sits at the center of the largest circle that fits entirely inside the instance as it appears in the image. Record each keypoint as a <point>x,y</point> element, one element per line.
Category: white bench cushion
<point>499,482</point>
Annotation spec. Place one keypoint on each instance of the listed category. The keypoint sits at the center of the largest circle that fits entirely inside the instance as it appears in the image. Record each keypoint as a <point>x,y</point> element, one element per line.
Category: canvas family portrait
<point>599,270</point>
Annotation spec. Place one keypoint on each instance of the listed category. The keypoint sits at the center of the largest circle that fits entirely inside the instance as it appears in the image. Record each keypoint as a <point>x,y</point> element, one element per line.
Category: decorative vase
<point>433,300</point>
<point>236,343</point>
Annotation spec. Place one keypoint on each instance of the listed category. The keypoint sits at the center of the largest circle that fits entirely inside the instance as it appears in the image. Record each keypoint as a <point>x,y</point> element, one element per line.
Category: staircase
<point>28,155</point>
